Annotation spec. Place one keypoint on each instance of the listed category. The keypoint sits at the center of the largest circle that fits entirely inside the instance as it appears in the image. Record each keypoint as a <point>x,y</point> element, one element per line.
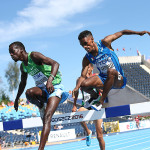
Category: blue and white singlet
<point>105,59</point>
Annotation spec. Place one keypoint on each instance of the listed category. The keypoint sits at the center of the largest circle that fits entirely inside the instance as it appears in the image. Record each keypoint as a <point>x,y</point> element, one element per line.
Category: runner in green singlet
<point>48,89</point>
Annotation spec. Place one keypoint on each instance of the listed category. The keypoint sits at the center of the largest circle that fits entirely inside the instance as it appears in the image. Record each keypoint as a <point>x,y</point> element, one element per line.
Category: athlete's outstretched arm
<point>21,88</point>
<point>75,99</point>
<point>75,102</point>
<point>40,59</point>
<point>110,38</point>
<point>85,65</point>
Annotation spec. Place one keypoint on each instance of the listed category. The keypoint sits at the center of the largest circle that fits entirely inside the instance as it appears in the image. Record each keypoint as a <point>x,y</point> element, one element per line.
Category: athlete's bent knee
<point>29,93</point>
<point>81,109</point>
<point>84,84</point>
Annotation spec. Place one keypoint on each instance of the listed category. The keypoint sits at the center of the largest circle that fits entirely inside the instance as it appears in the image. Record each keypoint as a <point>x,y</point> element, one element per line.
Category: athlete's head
<point>16,50</point>
<point>86,40</point>
<point>84,34</point>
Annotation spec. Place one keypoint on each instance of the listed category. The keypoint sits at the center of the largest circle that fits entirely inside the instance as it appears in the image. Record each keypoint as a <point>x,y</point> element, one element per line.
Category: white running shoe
<point>91,102</point>
<point>97,106</point>
<point>88,104</point>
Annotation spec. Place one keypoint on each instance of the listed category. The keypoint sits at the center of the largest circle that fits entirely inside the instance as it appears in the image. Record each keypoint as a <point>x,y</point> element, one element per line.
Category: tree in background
<point>3,96</point>
<point>12,74</point>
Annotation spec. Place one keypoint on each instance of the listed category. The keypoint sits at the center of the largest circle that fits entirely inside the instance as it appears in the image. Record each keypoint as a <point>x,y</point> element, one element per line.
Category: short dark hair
<point>84,34</point>
<point>18,44</point>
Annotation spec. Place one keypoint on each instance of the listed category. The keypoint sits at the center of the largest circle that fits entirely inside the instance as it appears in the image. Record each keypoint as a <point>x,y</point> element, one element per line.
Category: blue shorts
<point>59,88</point>
<point>103,79</point>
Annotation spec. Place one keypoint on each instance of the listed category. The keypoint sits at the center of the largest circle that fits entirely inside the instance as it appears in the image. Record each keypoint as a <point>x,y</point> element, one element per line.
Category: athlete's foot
<point>88,139</point>
<point>97,106</point>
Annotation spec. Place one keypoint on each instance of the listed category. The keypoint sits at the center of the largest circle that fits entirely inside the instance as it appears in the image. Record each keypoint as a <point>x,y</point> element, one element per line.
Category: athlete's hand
<point>49,87</point>
<point>142,33</point>
<point>16,105</point>
<point>148,32</point>
<point>74,109</point>
<point>74,92</point>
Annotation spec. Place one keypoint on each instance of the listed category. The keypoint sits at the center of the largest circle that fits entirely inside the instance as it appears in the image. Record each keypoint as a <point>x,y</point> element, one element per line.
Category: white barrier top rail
<point>132,109</point>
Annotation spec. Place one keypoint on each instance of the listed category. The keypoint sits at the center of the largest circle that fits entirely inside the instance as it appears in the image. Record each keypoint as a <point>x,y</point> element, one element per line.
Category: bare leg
<point>93,82</point>
<point>99,131</point>
<point>52,105</point>
<point>84,125</point>
<point>112,80</point>
<point>36,96</point>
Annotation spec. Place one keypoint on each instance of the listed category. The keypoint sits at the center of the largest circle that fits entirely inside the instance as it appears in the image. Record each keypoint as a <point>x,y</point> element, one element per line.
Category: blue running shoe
<point>88,139</point>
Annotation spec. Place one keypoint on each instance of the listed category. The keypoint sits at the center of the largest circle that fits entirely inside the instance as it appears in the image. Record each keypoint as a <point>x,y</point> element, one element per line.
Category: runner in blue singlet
<point>103,56</point>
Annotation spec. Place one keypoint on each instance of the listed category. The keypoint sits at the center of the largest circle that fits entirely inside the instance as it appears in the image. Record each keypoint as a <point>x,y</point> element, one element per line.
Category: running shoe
<point>88,139</point>
<point>97,106</point>
<point>91,102</point>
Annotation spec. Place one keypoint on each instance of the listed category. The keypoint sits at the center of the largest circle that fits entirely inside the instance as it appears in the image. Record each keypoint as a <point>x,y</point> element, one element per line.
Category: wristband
<point>52,76</point>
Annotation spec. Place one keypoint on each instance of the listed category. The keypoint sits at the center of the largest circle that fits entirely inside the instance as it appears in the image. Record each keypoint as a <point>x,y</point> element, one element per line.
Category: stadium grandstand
<point>137,71</point>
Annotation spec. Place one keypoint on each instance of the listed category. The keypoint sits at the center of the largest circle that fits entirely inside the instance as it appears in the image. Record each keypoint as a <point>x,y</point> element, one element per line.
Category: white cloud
<point>44,14</point>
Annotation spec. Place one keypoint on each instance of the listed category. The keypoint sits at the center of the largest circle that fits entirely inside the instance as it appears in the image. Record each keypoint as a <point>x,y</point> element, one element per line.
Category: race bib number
<point>40,79</point>
<point>103,65</point>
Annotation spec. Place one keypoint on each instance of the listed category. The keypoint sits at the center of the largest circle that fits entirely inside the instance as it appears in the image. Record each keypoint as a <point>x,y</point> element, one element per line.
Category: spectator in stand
<point>55,127</point>
<point>137,120</point>
<point>3,142</point>
<point>60,127</point>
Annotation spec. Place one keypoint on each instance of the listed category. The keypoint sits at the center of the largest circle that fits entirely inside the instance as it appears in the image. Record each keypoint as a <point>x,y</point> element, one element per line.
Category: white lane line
<point>123,139</point>
<point>132,145</point>
<point>129,141</point>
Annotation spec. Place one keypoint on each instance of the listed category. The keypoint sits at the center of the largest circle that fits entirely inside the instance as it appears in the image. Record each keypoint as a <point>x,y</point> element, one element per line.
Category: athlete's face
<point>15,53</point>
<point>87,43</point>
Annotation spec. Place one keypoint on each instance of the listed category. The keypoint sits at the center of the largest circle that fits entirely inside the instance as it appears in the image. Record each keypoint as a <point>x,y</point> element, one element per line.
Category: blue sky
<point>52,27</point>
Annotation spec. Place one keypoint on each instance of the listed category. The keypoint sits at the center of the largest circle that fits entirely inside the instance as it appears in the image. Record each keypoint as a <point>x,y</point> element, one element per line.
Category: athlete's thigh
<point>118,82</point>
<point>36,91</point>
<point>93,81</point>
<point>82,109</point>
<point>52,105</point>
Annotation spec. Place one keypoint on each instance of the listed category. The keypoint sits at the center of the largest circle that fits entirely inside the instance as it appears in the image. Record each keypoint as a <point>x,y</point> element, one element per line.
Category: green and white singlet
<point>40,73</point>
